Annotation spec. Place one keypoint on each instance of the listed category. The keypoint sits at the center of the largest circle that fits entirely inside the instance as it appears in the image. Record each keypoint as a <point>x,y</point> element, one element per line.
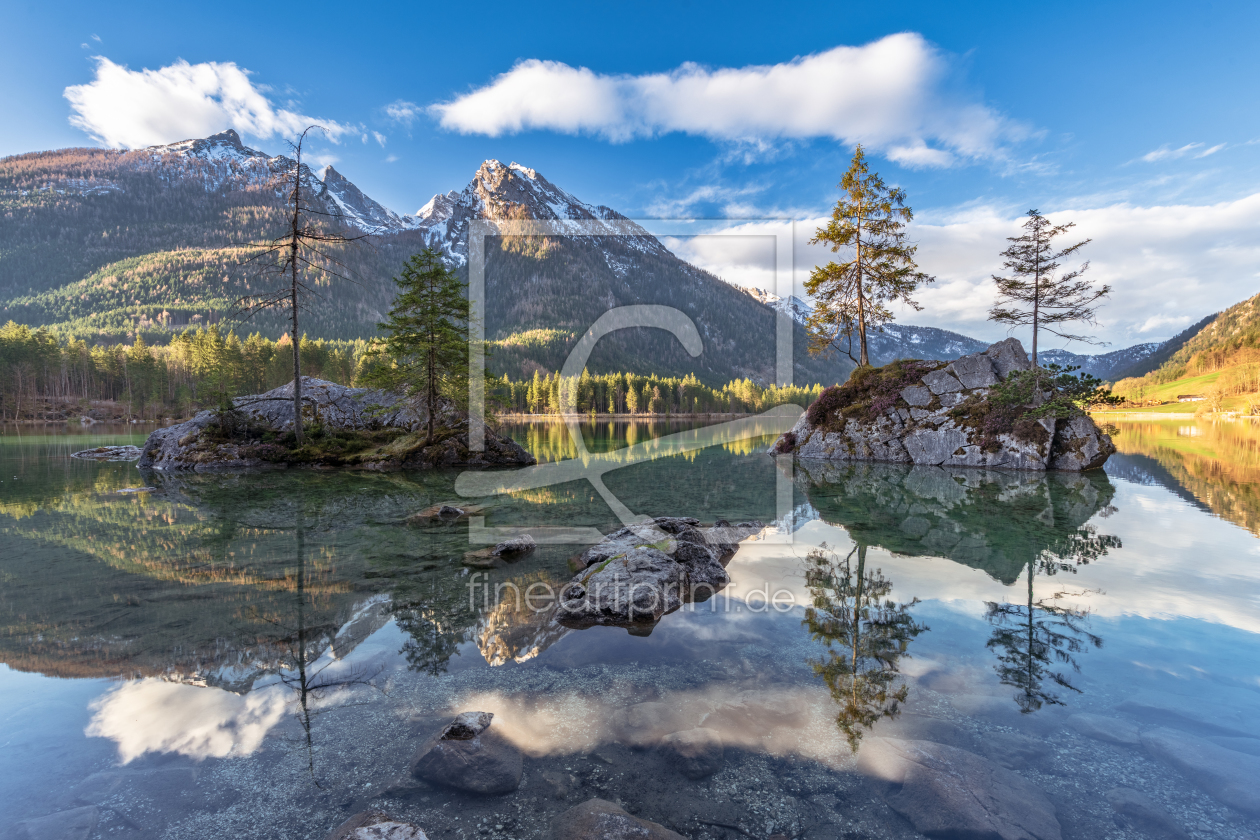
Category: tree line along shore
<point>46,379</point>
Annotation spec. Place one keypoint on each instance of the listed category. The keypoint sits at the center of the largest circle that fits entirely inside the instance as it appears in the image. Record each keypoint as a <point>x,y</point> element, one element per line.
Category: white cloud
<point>1166,152</point>
<point>402,111</point>
<point>890,94</point>
<point>380,138</point>
<point>153,715</point>
<point>1168,265</point>
<point>135,108</point>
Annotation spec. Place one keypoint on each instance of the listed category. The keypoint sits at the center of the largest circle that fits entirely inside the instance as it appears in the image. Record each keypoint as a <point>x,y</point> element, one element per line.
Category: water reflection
<point>1005,523</point>
<point>994,521</point>
<point>1215,462</point>
<point>865,634</point>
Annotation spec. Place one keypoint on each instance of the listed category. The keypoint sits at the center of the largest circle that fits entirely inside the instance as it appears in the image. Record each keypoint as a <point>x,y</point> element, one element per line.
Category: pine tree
<point>1035,294</point>
<point>426,336</point>
<point>853,297</point>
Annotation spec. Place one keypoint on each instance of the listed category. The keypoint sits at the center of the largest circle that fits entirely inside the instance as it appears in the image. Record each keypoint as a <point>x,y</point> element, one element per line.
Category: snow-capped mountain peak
<point>502,192</point>
<point>224,146</point>
<point>796,308</point>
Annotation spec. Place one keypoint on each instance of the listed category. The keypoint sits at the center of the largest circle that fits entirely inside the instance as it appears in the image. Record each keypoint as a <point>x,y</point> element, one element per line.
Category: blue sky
<point>1139,121</point>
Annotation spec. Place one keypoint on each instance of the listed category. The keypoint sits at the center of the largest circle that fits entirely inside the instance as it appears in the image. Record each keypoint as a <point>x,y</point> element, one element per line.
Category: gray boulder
<point>597,819</point>
<point>467,755</point>
<point>1225,775</point>
<point>639,573</point>
<point>210,442</point>
<point>696,753</point>
<point>949,792</point>
<point>941,419</point>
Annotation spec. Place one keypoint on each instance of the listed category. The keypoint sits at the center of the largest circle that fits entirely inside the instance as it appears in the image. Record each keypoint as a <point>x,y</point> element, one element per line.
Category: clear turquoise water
<point>152,628</point>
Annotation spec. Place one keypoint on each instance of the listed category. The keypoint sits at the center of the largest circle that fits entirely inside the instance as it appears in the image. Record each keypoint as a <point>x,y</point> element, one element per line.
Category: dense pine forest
<point>43,377</point>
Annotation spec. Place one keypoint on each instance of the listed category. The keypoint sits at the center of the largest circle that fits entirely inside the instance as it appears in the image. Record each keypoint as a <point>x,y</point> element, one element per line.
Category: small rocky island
<point>951,414</point>
<point>346,427</point>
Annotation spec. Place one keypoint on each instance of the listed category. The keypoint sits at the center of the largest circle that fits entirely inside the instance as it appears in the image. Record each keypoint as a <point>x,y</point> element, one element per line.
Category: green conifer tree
<point>852,297</point>
<point>426,336</point>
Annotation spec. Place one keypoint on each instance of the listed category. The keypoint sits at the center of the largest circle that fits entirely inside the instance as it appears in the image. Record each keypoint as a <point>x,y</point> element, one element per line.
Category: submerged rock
<point>922,412</point>
<point>639,573</point>
<point>108,453</point>
<point>1148,815</point>
<point>75,824</point>
<point>597,819</point>
<point>376,825</point>
<point>215,440</point>
<point>467,755</point>
<point>949,792</point>
<point>1104,728</point>
<point>1227,776</point>
<point>695,752</point>
<point>512,549</point>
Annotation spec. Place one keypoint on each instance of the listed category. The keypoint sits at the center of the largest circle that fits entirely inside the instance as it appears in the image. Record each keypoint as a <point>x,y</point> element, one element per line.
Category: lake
<point>262,654</point>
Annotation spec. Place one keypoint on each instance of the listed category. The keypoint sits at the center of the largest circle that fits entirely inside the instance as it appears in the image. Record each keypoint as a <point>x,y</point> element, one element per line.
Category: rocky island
<point>347,427</point>
<point>965,413</point>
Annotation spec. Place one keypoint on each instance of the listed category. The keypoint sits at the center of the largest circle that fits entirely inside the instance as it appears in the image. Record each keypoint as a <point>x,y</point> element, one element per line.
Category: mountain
<point>903,341</point>
<point>107,244</point>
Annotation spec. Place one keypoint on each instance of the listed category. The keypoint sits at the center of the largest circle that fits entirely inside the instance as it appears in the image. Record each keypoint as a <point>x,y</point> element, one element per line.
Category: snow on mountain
<point>223,161</point>
<point>796,308</point>
<point>361,210</point>
<point>1102,365</point>
<point>502,192</point>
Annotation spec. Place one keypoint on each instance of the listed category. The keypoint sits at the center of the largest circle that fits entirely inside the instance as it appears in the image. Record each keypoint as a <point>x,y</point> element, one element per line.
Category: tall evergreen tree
<point>852,297</point>
<point>426,336</point>
<point>1035,294</point>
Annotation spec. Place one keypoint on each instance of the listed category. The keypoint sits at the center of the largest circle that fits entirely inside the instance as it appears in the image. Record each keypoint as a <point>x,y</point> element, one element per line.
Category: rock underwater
<point>933,413</point>
<point>203,444</point>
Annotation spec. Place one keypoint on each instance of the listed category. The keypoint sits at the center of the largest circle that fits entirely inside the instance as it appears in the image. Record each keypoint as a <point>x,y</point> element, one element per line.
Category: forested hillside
<point>1226,344</point>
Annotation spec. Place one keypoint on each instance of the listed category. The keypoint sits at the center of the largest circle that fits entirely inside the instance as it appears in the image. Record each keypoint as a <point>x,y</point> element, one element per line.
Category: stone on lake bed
<point>75,824</point>
<point>376,825</point>
<point>1226,775</point>
<point>950,792</point>
<point>695,752</point>
<point>597,819</point>
<point>1226,711</point>
<point>468,755</point>
<point>1110,729</point>
<point>1149,816</point>
<point>511,549</point>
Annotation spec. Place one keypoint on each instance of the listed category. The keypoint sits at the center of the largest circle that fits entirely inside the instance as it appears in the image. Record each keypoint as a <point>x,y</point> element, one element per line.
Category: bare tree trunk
<point>293,301</point>
<point>863,358</point>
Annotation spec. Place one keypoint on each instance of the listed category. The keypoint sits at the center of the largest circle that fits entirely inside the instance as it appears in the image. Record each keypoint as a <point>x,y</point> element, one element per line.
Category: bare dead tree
<point>301,250</point>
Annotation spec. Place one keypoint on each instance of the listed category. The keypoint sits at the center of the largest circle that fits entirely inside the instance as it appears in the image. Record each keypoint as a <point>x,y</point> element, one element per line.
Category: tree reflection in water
<point>865,633</point>
<point>307,655</point>
<point>1036,639</point>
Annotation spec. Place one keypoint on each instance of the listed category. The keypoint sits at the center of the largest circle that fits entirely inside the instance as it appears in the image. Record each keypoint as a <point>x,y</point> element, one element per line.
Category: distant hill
<point>1226,339</point>
<point>903,341</point>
